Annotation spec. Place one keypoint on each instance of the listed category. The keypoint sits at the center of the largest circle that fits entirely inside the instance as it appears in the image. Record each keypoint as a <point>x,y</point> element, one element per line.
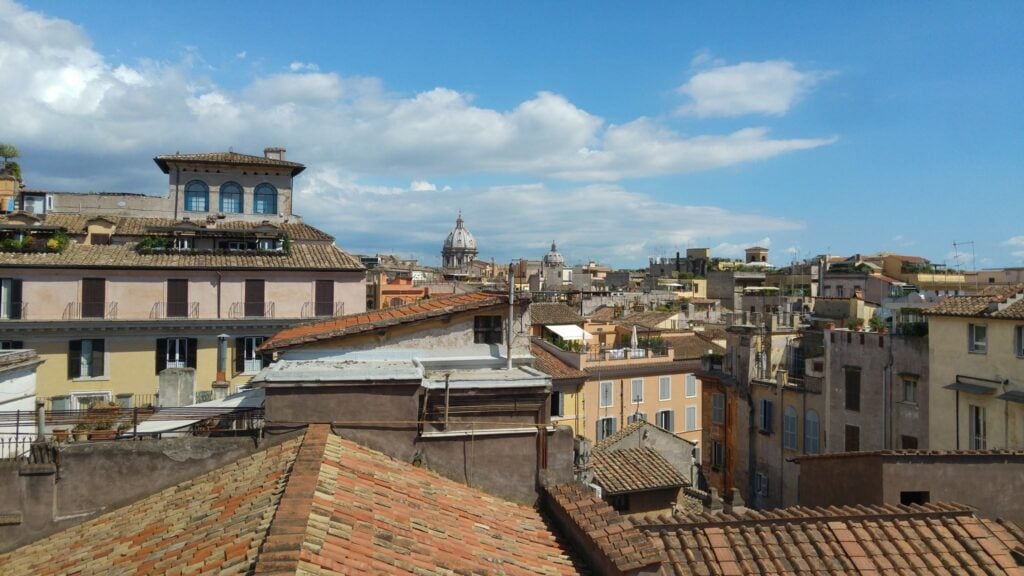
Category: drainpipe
<point>511,316</point>
<point>40,420</point>
<point>447,377</point>
<point>220,278</point>
<point>957,416</point>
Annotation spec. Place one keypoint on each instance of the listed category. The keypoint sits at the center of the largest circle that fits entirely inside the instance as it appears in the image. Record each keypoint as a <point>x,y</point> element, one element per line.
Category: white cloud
<point>303,67</point>
<point>1016,246</point>
<point>351,124</point>
<point>422,186</point>
<point>736,249</point>
<point>771,87</point>
<point>241,55</point>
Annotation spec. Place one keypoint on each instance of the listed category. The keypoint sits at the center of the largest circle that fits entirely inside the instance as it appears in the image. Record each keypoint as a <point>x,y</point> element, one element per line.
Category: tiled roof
<point>375,320</point>
<point>634,470</point>
<point>690,346</point>
<point>917,454</point>
<point>372,514</point>
<point>551,365</point>
<point>135,226</point>
<point>215,523</point>
<point>985,306</point>
<point>620,434</point>
<point>712,333</point>
<point>301,257</point>
<point>591,523</point>
<point>929,539</point>
<point>603,314</point>
<point>547,313</point>
<point>226,158</point>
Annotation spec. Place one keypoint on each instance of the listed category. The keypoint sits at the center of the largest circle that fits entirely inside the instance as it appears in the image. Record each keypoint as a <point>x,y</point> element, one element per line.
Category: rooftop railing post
<point>135,422</point>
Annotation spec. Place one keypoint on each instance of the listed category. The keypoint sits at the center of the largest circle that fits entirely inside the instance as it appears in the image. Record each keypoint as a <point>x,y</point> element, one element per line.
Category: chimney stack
<point>274,153</point>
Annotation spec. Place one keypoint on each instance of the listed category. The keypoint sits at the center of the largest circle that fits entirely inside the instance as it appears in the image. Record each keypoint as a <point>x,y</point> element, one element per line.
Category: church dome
<point>553,258</point>
<point>460,238</point>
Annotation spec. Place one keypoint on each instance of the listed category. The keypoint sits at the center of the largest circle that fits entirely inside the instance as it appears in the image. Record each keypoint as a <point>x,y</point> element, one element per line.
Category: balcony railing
<point>323,309</point>
<point>90,310</point>
<point>15,311</point>
<point>625,354</point>
<point>162,310</point>
<point>251,310</point>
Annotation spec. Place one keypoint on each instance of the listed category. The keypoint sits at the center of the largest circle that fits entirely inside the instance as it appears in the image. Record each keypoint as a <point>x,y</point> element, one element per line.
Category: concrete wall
<point>884,360</point>
<point>98,477</point>
<point>949,357</point>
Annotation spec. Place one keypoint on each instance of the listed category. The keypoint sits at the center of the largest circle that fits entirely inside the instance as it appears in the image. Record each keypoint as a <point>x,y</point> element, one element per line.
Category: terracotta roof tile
<point>547,313</point>
<point>226,158</point>
<point>216,522</point>
<point>690,346</point>
<point>551,365</point>
<point>602,314</point>
<point>136,226</point>
<point>634,470</point>
<point>989,305</point>
<point>645,319</point>
<point>369,321</point>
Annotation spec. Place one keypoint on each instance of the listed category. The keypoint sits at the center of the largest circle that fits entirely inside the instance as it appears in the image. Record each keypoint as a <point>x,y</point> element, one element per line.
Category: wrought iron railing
<point>163,310</point>
<point>313,309</point>
<point>15,311</point>
<point>90,310</point>
<point>251,310</point>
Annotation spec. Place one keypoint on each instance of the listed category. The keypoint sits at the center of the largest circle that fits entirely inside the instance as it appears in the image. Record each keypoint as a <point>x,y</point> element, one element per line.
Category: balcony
<point>14,311</point>
<point>90,311</point>
<point>165,310</point>
<point>251,310</point>
<point>609,358</point>
<point>323,309</point>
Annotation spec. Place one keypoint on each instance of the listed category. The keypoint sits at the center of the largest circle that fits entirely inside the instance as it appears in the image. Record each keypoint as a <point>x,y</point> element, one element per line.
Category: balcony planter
<point>103,434</point>
<point>61,434</point>
<point>81,432</point>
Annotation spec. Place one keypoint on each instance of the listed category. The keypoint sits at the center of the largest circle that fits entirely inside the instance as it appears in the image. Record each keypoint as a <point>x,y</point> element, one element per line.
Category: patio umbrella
<point>634,342</point>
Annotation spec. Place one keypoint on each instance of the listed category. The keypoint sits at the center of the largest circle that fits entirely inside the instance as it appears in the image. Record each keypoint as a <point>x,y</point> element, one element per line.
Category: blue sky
<point>620,130</point>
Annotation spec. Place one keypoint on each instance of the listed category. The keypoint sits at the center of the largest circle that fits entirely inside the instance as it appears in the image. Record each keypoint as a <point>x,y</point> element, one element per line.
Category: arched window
<point>789,428</point>
<point>197,196</point>
<point>265,199</point>
<point>812,433</point>
<point>231,198</point>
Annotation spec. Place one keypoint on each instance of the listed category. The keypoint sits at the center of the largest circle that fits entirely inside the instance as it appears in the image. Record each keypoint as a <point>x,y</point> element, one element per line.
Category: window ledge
<point>91,379</point>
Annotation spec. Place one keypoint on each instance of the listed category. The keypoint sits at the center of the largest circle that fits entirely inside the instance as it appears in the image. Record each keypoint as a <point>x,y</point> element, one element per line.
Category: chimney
<point>274,153</point>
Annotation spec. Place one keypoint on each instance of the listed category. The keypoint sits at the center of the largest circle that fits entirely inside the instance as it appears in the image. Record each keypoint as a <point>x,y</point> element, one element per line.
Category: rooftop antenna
<point>974,263</point>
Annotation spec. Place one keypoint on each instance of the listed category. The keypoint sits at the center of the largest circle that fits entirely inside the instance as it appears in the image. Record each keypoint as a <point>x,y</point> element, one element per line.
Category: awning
<point>974,385</point>
<point>171,419</point>
<point>1012,396</point>
<point>570,332</point>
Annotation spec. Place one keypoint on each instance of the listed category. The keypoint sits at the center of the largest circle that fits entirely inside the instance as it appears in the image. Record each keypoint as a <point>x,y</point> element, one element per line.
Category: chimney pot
<point>274,153</point>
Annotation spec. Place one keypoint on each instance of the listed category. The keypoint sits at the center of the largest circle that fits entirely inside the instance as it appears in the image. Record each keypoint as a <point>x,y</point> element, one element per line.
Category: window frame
<point>846,437</point>
<point>243,358</point>
<point>977,434</point>
<point>909,384</point>
<point>258,193</point>
<point>611,394</point>
<point>224,191</point>
<point>690,423</point>
<point>659,418</point>
<point>1018,341</point>
<point>557,404</point>
<point>632,391</point>
<point>602,427</point>
<point>192,194</point>
<point>764,416</point>
<point>717,455</point>
<point>75,368</point>
<point>977,345</point>
<point>790,421</point>
<point>664,385</point>
<point>487,328</point>
<point>718,408</point>
<point>74,398</point>
<point>690,384</point>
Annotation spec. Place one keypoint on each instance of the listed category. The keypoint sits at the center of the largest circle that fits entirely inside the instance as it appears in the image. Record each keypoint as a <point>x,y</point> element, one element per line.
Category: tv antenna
<point>974,264</point>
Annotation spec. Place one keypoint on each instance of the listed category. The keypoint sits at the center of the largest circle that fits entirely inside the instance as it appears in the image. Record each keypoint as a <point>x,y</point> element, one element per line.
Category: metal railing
<point>125,401</point>
<point>614,354</point>
<point>313,309</point>
<point>87,310</point>
<point>163,310</point>
<point>16,311</point>
<point>251,310</point>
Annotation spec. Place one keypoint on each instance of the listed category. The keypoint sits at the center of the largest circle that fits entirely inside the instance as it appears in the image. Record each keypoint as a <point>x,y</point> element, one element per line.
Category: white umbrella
<point>634,342</point>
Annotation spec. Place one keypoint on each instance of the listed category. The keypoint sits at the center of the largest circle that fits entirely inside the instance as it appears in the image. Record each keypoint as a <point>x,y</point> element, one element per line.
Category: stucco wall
<point>989,484</point>
<point>623,407</point>
<point>841,481</point>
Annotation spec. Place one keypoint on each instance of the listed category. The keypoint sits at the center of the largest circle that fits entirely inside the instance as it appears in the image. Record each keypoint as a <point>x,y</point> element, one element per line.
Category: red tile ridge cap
<point>281,550</point>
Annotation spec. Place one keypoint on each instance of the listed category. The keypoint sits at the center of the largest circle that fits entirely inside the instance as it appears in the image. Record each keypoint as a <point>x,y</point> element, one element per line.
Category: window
<point>665,388</point>
<point>853,389</point>
<point>86,358</point>
<point>265,199</point>
<point>1018,341</point>
<point>812,433</point>
<point>789,428</point>
<point>717,455</point>
<point>231,198</point>
<point>691,418</point>
<point>920,497</point>
<point>910,390</point>
<point>487,329</point>
<point>852,438</point>
<point>11,345</point>
<point>235,245</point>
<point>175,353</point>
<point>691,386</point>
<point>718,408</point>
<point>184,243</point>
<point>558,404</point>
<point>197,196</point>
<point>908,442</point>
<point>10,298</point>
<point>636,391</point>
<point>94,295</point>
<point>323,296</point>
<point>247,359</point>
<point>255,306</point>
<point>177,298</point>
<point>605,428</point>
<point>764,418</point>
<point>839,291</point>
<point>977,338</point>
<point>86,400</point>
<point>978,438</point>
<point>606,395</point>
<point>666,419</point>
<point>268,244</point>
<point>636,417</point>
<point>761,484</point>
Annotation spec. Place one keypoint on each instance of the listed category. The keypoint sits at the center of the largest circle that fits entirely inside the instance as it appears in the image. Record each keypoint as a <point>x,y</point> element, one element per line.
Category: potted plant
<point>61,434</point>
<point>81,432</point>
<point>103,419</point>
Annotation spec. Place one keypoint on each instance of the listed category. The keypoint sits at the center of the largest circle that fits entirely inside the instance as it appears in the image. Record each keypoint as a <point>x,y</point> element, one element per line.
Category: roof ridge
<point>282,547</point>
